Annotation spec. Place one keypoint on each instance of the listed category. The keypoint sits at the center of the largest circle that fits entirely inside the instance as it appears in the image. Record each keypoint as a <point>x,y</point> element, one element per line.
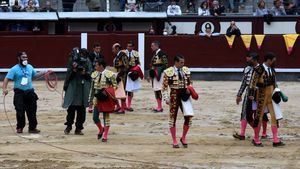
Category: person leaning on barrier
<point>77,86</point>
<point>233,30</point>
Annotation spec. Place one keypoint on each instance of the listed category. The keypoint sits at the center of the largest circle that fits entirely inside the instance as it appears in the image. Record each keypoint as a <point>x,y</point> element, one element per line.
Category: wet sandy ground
<point>141,139</point>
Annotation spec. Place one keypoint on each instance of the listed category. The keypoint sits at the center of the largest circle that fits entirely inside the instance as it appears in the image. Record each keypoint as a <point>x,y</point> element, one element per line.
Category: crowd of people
<point>25,6</point>
<point>172,7</point>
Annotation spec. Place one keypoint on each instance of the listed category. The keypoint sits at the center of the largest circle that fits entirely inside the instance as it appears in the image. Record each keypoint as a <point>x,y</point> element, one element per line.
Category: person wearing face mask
<point>248,107</point>
<point>165,32</point>
<point>264,79</point>
<point>178,79</point>
<point>25,99</point>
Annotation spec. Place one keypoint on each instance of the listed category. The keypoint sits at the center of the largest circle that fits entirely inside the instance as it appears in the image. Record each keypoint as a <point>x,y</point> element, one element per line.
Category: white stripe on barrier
<point>203,70</point>
<point>141,50</point>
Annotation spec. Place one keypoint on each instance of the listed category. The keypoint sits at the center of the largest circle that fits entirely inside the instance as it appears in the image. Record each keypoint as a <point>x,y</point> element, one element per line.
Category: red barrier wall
<point>52,51</point>
<point>43,51</point>
<point>215,52</point>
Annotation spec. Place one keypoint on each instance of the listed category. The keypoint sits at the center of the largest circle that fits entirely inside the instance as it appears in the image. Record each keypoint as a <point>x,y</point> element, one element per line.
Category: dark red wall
<point>43,51</point>
<point>52,51</point>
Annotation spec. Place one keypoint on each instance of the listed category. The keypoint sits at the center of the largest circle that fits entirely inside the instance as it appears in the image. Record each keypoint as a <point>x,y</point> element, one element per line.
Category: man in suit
<point>96,54</point>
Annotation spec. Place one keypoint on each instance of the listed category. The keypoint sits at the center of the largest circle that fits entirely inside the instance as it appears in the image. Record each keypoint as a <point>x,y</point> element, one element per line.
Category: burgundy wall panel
<point>52,51</point>
<point>43,51</point>
<point>215,53</point>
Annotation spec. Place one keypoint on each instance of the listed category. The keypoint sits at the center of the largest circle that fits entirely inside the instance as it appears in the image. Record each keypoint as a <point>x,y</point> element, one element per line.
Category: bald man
<point>121,64</point>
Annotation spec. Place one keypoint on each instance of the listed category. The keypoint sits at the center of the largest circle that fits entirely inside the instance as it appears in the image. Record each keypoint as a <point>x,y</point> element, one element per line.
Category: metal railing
<point>236,7</point>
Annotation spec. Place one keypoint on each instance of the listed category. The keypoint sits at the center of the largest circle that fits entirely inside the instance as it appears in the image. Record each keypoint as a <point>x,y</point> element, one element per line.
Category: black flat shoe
<point>176,146</point>
<point>237,136</point>
<point>104,140</point>
<point>279,144</point>
<point>120,112</point>
<point>34,131</point>
<point>257,144</point>
<point>78,132</point>
<point>100,134</point>
<point>157,111</point>
<point>129,109</point>
<point>183,144</point>
<point>264,137</point>
<point>67,130</point>
<point>19,130</point>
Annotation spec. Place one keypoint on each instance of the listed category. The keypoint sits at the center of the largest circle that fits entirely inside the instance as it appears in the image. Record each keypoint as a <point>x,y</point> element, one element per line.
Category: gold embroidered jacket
<point>101,80</point>
<point>171,80</point>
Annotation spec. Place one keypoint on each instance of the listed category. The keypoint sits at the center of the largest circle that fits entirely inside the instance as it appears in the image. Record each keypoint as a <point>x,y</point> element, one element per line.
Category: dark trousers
<point>68,5</point>
<point>25,101</point>
<point>80,118</point>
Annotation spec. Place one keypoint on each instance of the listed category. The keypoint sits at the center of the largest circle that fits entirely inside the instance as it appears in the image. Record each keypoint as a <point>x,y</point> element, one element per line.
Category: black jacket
<point>236,32</point>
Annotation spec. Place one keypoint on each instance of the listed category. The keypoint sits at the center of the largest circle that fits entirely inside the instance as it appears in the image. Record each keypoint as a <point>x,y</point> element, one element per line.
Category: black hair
<point>131,43</point>
<point>157,43</point>
<point>202,4</point>
<point>96,45</point>
<point>253,55</point>
<point>178,57</point>
<point>19,54</point>
<point>269,56</point>
<point>101,62</point>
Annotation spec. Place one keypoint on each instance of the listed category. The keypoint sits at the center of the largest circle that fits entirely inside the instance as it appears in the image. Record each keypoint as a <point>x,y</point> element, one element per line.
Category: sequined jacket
<point>101,80</point>
<point>121,62</point>
<point>171,80</point>
<point>261,79</point>
<point>159,59</point>
<point>133,59</point>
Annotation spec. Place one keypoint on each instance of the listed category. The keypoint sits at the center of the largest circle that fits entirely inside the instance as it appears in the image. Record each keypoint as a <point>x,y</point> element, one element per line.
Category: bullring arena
<point>58,38</point>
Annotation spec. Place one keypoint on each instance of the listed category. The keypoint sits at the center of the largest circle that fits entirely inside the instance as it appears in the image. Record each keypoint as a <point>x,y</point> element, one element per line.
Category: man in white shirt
<point>173,9</point>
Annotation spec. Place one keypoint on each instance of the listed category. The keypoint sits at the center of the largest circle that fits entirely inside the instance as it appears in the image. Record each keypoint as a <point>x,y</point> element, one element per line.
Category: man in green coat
<point>77,86</point>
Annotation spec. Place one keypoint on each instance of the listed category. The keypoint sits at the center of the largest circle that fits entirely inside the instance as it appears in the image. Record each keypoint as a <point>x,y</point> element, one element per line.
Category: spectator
<point>203,9</point>
<point>216,9</point>
<point>208,32</point>
<point>233,30</point>
<point>173,9</point>
<point>93,5</point>
<point>16,7</point>
<point>131,6</point>
<point>30,7</point>
<point>122,5</point>
<point>278,9</point>
<point>261,9</point>
<point>173,30</point>
<point>290,7</point>
<point>151,31</point>
<point>48,7</point>
<point>68,5</point>
<point>4,7</point>
<point>190,3</point>
<point>24,3</point>
<point>165,32</point>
